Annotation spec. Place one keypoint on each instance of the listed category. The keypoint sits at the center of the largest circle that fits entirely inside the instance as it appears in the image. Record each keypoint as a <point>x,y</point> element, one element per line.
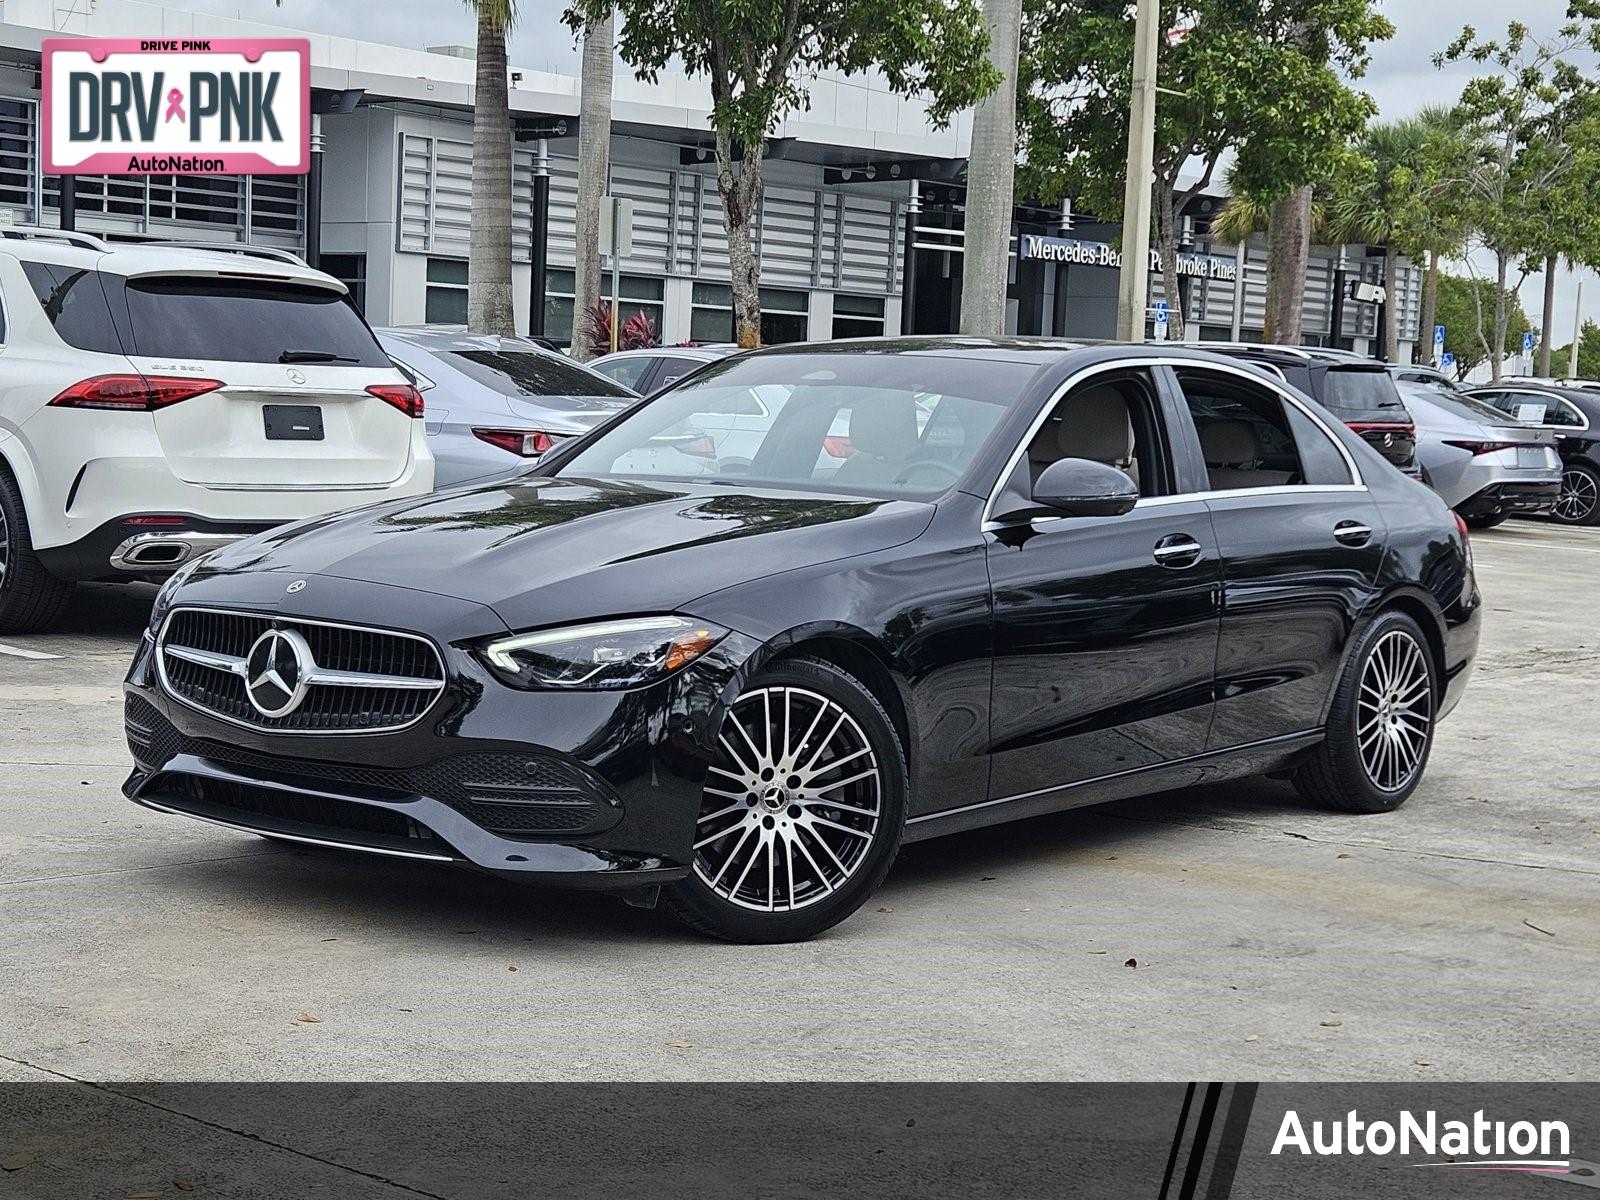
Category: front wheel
<point>1380,728</point>
<point>1579,502</point>
<point>803,808</point>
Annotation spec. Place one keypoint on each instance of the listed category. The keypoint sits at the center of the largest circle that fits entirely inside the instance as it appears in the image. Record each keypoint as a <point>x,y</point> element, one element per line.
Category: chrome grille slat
<point>404,672</point>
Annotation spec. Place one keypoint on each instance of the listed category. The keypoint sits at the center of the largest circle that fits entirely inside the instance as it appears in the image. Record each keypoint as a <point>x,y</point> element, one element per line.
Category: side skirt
<point>1214,766</point>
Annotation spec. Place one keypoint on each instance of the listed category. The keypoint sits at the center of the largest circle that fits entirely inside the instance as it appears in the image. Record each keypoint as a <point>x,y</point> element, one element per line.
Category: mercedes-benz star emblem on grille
<point>299,585</point>
<point>278,672</point>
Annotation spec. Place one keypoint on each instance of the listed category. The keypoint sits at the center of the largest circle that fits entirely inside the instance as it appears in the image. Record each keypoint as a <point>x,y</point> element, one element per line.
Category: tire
<point>1580,496</point>
<point>1488,522</point>
<point>1377,747</point>
<point>803,853</point>
<point>31,599</point>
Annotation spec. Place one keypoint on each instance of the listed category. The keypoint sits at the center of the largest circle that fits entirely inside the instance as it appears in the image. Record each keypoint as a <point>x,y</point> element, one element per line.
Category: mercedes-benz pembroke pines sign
<point>206,106</point>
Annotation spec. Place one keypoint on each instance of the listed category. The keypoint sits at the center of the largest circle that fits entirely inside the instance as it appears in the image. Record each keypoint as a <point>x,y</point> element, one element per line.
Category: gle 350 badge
<point>198,106</point>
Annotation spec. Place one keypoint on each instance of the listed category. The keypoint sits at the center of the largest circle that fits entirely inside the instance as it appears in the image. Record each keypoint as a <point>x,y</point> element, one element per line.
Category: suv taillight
<point>399,395</point>
<point>133,393</point>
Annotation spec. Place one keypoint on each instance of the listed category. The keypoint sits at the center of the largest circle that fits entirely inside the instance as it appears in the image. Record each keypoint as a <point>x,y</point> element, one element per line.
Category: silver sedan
<point>1486,466</point>
<point>494,405</point>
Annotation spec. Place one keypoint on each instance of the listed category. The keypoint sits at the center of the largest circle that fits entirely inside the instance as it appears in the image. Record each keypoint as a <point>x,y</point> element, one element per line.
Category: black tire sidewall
<point>1342,744</point>
<point>698,906</point>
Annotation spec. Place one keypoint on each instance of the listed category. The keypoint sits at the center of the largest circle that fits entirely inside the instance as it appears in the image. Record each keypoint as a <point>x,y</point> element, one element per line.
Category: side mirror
<point>1079,487</point>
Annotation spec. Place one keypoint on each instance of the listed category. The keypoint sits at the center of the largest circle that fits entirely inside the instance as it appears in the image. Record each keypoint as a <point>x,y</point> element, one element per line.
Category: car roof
<point>705,353</point>
<point>159,257</point>
<point>455,337</point>
<point>1274,350</point>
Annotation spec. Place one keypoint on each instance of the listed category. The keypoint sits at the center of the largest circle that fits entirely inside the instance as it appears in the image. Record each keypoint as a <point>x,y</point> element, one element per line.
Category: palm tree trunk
<point>489,304</point>
<point>1549,322</point>
<point>991,166</point>
<point>594,170</point>
<point>1167,251</point>
<point>740,192</point>
<point>1391,304</point>
<point>1430,310</point>
<point>1288,249</point>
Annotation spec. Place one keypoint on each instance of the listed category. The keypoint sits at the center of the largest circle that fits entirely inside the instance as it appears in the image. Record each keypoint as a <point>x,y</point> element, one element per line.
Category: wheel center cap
<point>774,799</point>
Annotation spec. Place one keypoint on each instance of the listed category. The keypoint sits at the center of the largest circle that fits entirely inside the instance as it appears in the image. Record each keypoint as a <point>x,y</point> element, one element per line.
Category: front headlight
<point>606,654</point>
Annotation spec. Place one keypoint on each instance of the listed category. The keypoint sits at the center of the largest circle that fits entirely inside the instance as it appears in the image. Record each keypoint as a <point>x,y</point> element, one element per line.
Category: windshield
<point>879,424</point>
<point>1455,403</point>
<point>1359,389</point>
<point>530,374</point>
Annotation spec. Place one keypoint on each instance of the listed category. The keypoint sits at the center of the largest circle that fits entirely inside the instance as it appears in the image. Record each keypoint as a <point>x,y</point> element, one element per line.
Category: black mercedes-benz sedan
<point>733,648</point>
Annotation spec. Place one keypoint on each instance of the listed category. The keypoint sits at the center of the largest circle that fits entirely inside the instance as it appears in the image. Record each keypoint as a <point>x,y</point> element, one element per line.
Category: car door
<point>1301,541</point>
<point>1105,627</point>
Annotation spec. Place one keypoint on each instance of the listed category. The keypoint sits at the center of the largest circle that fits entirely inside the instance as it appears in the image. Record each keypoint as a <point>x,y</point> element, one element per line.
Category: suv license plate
<point>292,422</point>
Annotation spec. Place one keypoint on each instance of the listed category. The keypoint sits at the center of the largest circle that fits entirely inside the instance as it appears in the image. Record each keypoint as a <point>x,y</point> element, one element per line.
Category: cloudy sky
<point>1402,77</point>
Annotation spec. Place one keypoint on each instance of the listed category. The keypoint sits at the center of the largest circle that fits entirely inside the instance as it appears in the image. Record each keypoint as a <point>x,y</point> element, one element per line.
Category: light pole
<point>1577,332</point>
<point>1134,284</point>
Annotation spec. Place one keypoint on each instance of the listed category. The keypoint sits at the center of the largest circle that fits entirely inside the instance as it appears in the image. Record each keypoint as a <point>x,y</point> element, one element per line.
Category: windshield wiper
<point>314,356</point>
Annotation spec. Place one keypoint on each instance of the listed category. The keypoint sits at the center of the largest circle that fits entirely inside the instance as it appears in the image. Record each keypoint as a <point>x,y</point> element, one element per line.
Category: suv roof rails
<point>271,252</point>
<point>71,236</point>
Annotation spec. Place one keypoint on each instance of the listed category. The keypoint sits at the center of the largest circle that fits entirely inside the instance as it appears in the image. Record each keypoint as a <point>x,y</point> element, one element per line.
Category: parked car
<point>658,368</point>
<point>1487,466</point>
<point>1573,415</point>
<point>497,403</point>
<point>1359,391</point>
<point>742,694</point>
<point>162,399</point>
<point>1422,373</point>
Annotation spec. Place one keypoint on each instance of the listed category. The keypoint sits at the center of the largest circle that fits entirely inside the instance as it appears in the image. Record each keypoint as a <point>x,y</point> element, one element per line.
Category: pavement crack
<point>219,1127</point>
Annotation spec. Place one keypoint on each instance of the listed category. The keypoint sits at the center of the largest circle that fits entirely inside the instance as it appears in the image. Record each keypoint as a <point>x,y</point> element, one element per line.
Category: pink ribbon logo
<point>175,105</point>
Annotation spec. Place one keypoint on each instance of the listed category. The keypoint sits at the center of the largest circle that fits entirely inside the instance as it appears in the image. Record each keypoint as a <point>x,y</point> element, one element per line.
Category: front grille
<point>326,707</point>
<point>514,794</point>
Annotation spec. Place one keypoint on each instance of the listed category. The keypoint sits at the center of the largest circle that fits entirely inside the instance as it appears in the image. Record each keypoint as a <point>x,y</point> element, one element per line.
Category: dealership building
<point>855,183</point>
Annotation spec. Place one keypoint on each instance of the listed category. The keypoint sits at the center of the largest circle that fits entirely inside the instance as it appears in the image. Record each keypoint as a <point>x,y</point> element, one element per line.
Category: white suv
<point>160,399</point>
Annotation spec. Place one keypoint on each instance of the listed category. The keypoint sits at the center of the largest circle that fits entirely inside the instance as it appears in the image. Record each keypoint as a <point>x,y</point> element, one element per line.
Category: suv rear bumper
<point>119,550</point>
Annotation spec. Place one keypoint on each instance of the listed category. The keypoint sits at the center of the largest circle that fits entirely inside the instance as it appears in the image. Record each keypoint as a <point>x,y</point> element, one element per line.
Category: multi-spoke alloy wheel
<point>802,808</point>
<point>1579,501</point>
<point>1395,710</point>
<point>793,802</point>
<point>1380,725</point>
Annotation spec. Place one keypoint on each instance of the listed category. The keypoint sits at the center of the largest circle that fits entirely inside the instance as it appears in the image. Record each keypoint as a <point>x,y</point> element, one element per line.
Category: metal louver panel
<point>788,236</point>
<point>435,204</point>
<point>866,259</point>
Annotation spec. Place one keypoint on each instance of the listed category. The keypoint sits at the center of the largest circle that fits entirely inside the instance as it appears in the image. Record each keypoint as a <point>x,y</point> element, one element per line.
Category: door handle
<point>1352,533</point>
<point>1177,550</point>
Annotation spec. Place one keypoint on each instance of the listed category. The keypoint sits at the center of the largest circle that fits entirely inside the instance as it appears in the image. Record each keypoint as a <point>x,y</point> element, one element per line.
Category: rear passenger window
<point>1253,438</point>
<point>75,302</point>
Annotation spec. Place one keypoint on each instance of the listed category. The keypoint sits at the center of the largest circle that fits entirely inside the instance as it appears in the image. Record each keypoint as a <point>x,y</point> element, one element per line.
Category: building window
<point>350,270</point>
<point>784,316</point>
<point>446,302</point>
<point>640,294</point>
<point>857,316</point>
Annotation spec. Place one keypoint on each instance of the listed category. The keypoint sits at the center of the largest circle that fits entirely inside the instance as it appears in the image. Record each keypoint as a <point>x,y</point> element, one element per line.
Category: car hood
<point>541,551</point>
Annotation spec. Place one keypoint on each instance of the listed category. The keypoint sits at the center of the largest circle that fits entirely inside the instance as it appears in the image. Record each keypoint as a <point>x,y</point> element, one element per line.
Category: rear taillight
<point>1383,427</point>
<point>133,393</point>
<point>1461,524</point>
<point>1481,447</point>
<point>528,443</point>
<point>399,395</point>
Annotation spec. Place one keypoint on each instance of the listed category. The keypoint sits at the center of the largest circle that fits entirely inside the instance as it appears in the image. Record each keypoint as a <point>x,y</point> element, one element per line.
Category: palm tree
<point>991,166</point>
<point>1289,222</point>
<point>1441,224</point>
<point>1373,199</point>
<point>594,167</point>
<point>489,305</point>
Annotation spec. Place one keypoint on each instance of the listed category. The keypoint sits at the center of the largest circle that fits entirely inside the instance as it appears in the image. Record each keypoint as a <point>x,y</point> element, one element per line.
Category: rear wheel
<point>1380,729</point>
<point>803,809</point>
<point>1579,503</point>
<point>31,599</point>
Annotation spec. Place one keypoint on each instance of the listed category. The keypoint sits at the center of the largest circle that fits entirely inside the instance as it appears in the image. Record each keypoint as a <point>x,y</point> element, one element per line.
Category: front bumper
<point>607,797</point>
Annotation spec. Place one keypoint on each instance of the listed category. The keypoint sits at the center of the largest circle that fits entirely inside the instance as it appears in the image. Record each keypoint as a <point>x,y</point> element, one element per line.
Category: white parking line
<point>19,652</point>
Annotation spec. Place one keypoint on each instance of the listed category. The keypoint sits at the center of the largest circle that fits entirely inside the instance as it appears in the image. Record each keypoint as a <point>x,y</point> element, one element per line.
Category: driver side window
<point>1112,419</point>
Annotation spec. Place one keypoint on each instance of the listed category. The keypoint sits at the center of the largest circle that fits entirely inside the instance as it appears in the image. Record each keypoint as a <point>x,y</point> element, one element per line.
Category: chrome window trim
<point>1358,484</point>
<point>169,690</point>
